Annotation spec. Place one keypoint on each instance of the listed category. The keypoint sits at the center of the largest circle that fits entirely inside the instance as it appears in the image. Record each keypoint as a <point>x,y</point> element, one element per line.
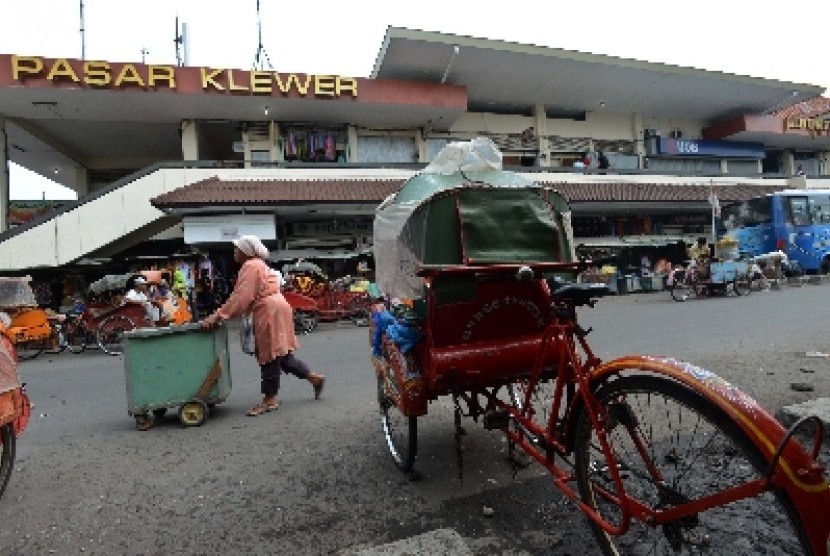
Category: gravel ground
<point>314,477</point>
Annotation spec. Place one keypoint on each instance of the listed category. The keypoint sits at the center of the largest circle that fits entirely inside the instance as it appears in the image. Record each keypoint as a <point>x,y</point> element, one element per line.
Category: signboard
<point>709,148</point>
<point>224,229</point>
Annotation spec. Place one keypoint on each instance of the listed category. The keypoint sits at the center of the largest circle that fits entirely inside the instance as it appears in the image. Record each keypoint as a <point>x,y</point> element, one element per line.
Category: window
<point>798,213</point>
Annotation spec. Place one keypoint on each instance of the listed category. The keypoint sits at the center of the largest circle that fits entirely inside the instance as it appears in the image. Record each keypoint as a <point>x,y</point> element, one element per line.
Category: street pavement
<point>314,477</point>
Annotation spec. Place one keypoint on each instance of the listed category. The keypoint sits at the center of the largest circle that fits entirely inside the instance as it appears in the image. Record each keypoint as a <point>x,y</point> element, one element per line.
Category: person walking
<point>257,291</point>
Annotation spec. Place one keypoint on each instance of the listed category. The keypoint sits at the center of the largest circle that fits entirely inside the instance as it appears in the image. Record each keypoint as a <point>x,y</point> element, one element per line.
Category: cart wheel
<point>143,421</point>
<point>29,349</point>
<point>110,333</point>
<point>159,413</point>
<point>742,285</point>
<point>7,449</point>
<point>193,413</point>
<point>400,431</point>
<point>305,322</point>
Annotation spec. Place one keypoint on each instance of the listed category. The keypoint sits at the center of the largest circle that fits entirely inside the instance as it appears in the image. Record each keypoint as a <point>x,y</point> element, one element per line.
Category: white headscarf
<point>251,246</point>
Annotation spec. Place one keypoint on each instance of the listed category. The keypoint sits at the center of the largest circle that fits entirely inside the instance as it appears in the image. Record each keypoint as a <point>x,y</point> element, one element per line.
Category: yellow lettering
<point>324,85</point>
<point>284,87</point>
<point>261,82</point>
<point>232,86</point>
<point>61,68</point>
<point>346,84</point>
<point>97,74</point>
<point>128,74</point>
<point>26,65</point>
<point>161,73</point>
<point>209,79</point>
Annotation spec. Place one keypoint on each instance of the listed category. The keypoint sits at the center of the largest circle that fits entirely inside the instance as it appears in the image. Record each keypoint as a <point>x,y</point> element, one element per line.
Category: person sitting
<point>138,294</point>
<point>700,256</point>
<point>166,302</point>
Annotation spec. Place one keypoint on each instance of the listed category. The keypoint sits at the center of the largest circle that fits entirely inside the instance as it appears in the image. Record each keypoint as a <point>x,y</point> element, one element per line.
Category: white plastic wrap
<point>478,155</point>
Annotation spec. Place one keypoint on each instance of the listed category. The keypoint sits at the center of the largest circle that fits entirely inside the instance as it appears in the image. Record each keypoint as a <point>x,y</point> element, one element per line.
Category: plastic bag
<point>246,335</point>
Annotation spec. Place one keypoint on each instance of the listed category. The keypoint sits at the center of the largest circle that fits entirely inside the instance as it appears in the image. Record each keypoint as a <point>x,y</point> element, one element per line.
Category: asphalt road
<point>314,477</point>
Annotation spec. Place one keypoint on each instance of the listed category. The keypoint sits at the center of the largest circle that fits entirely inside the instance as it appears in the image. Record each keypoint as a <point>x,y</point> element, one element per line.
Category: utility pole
<point>144,53</point>
<point>83,42</point>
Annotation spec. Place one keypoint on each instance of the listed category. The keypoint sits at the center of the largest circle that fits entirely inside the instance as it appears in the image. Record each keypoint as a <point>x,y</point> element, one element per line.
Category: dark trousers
<point>270,372</point>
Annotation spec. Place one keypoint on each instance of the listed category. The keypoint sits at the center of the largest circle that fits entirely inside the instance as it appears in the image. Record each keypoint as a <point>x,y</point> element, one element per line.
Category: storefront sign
<point>815,125</point>
<point>705,147</point>
<point>104,75</point>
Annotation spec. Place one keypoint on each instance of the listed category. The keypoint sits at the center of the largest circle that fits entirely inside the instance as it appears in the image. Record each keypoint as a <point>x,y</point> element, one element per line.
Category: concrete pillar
<point>277,147</point>
<point>421,145</point>
<point>4,177</point>
<point>190,140</point>
<point>540,122</point>
<point>788,163</point>
<point>82,182</point>
<point>639,135</point>
<point>351,149</point>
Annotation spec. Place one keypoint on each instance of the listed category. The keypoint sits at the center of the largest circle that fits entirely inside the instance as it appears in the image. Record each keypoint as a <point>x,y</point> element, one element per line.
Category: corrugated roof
<point>214,191</point>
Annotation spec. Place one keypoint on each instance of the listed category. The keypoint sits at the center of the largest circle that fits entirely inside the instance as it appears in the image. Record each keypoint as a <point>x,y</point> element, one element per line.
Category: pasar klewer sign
<point>107,75</point>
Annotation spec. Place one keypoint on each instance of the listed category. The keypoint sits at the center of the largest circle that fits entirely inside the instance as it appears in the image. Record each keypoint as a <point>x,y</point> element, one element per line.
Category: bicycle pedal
<point>496,419</point>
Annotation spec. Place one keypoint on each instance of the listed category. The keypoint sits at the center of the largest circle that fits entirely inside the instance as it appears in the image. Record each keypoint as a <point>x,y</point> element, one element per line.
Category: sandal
<point>261,408</point>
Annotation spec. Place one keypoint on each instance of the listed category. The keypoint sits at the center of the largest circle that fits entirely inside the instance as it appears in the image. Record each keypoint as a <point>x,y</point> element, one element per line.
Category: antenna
<point>177,40</point>
<point>260,50</point>
<point>83,43</point>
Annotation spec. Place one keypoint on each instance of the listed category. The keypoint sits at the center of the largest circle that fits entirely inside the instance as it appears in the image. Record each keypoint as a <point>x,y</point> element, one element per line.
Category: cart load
<point>464,210</point>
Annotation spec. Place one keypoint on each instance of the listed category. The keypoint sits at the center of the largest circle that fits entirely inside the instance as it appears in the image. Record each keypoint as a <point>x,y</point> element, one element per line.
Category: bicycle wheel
<point>110,333</point>
<point>742,285</point>
<point>681,290</point>
<point>698,450</point>
<point>541,398</point>
<point>75,340</point>
<point>7,449</point>
<point>400,431</point>
<point>29,349</point>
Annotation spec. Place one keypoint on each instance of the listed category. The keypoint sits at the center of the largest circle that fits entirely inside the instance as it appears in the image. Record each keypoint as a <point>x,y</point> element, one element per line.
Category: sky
<point>758,39</point>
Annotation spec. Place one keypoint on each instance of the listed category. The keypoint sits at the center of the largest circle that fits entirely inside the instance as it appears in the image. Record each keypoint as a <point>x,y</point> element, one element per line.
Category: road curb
<point>440,541</point>
<point>820,407</point>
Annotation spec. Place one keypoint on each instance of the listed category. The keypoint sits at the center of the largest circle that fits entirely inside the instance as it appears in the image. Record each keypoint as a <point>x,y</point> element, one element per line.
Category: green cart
<point>177,366</point>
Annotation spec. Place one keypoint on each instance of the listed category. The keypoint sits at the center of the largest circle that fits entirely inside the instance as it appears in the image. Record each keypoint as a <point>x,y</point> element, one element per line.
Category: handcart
<point>660,455</point>
<point>715,278</point>
<point>25,324</point>
<point>181,367</point>
<point>14,410</point>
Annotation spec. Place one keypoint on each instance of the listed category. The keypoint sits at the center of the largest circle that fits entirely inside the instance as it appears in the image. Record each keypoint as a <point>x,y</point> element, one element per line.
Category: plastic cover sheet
<point>16,292</point>
<point>458,163</point>
<point>110,282</point>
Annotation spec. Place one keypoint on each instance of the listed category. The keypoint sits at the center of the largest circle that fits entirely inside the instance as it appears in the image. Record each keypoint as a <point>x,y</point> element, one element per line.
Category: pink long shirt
<point>257,291</point>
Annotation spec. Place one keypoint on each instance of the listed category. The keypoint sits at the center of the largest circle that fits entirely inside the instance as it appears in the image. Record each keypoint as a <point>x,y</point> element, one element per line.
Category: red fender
<point>798,473</point>
<point>300,302</point>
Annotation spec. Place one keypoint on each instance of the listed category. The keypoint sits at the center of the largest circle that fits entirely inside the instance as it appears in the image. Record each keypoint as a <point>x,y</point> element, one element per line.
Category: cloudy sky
<point>325,37</point>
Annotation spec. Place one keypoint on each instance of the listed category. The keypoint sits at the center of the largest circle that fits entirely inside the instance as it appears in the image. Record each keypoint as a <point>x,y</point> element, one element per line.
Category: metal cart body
<point>177,366</point>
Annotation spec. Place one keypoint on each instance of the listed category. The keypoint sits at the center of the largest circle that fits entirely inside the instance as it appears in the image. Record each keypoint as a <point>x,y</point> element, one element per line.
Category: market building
<point>178,160</point>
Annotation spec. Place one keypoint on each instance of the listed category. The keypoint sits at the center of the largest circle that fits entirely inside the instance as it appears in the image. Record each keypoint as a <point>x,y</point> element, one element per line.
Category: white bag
<point>246,335</point>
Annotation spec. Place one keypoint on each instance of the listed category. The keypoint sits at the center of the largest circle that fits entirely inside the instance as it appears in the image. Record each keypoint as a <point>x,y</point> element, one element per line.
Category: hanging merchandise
<point>291,145</point>
<point>329,147</point>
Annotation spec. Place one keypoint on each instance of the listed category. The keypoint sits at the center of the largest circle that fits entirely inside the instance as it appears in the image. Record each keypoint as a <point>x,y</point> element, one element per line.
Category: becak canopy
<point>477,215</point>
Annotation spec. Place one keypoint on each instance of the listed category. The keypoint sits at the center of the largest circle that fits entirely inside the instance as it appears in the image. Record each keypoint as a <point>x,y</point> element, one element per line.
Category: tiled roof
<point>810,108</point>
<point>619,192</point>
<point>214,191</point>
